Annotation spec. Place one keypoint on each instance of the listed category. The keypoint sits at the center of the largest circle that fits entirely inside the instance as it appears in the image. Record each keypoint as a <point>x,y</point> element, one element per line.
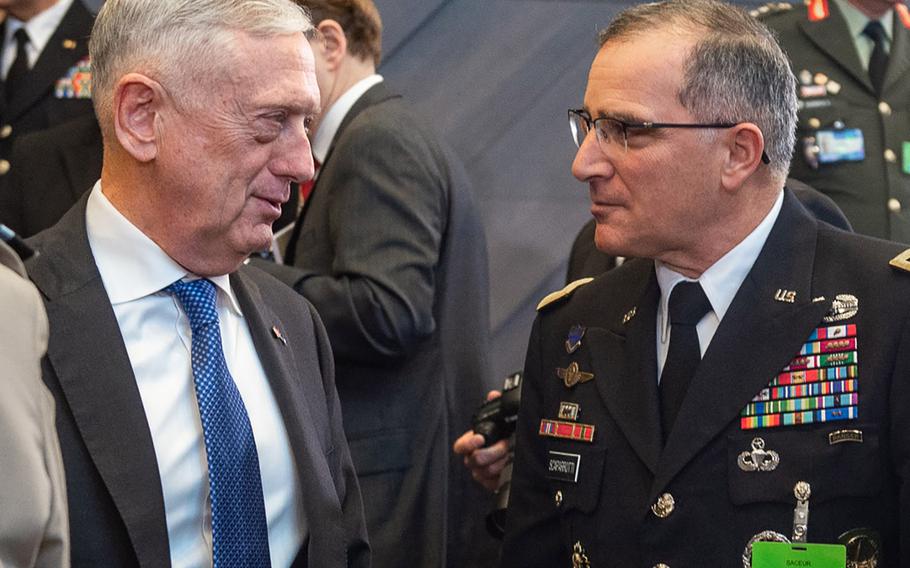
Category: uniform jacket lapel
<point>899,58</point>
<point>832,36</point>
<point>626,371</point>
<point>55,60</point>
<point>89,359</point>
<point>758,336</point>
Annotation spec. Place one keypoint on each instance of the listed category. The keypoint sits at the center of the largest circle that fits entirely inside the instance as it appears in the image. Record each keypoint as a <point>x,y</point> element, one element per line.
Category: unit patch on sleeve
<point>820,385</point>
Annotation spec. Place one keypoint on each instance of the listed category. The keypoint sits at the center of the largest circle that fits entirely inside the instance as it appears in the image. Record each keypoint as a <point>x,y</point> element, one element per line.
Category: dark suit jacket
<point>116,505</point>
<point>718,506</point>
<point>54,167</point>
<point>36,106</point>
<point>862,189</point>
<point>391,251</point>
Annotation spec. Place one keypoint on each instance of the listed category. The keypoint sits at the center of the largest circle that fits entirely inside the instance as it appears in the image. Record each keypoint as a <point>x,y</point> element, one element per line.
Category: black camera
<point>496,418</point>
<point>495,421</point>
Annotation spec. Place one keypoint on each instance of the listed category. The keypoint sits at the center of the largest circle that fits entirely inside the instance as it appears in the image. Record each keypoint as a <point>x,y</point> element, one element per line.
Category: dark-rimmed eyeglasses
<point>608,129</point>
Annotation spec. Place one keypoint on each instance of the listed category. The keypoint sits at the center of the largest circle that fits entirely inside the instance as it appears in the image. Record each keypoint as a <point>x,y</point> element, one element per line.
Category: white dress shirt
<point>720,282</point>
<point>157,336</point>
<point>39,29</point>
<point>330,123</point>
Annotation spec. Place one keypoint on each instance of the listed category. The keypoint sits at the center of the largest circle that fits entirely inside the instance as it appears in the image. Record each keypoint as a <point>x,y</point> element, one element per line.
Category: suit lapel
<point>625,371</point>
<point>899,59</point>
<point>758,336</point>
<point>832,36</point>
<point>373,96</point>
<point>54,61</point>
<point>90,361</point>
<point>290,388</point>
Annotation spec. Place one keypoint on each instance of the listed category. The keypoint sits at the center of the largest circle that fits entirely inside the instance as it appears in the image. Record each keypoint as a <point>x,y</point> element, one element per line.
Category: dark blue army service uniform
<point>836,99</point>
<point>57,87</point>
<point>595,485</point>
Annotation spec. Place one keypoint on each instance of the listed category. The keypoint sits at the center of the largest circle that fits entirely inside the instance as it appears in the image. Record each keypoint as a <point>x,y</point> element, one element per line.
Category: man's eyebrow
<point>621,116</point>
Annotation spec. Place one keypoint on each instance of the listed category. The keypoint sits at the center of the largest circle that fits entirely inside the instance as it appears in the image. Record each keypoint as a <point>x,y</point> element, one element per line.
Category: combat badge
<point>758,459</point>
<point>572,375</point>
<point>573,341</point>
<point>844,306</point>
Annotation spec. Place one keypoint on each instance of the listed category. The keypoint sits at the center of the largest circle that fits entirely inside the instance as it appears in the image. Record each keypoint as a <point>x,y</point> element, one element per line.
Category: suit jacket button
<point>664,506</point>
<point>558,498</point>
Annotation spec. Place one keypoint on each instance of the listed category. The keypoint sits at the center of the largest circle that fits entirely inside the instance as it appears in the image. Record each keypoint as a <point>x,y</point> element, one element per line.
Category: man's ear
<point>334,43</point>
<point>745,149</point>
<point>137,102</point>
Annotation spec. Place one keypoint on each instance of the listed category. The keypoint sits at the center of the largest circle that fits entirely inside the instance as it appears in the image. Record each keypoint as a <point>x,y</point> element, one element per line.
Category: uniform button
<point>664,506</point>
<point>558,498</point>
<point>884,108</point>
<point>661,565</point>
<point>814,122</point>
<point>5,131</point>
<point>4,167</point>
<point>894,205</point>
<point>890,156</point>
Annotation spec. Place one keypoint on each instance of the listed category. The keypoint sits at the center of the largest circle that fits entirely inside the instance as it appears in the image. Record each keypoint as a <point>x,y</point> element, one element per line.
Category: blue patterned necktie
<point>239,530</point>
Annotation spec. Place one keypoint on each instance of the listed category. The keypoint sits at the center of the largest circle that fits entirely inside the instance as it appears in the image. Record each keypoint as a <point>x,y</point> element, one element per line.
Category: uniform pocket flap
<point>836,461</point>
<point>577,474</point>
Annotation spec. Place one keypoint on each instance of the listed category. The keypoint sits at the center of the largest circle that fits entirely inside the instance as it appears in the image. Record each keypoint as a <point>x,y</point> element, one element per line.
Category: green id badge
<point>798,555</point>
<point>906,164</point>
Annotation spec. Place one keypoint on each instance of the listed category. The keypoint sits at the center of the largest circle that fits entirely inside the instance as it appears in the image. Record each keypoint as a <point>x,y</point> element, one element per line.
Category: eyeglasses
<point>609,129</point>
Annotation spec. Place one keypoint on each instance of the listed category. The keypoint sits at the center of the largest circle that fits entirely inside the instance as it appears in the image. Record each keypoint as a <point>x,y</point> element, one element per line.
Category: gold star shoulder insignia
<point>902,261</point>
<point>562,294</point>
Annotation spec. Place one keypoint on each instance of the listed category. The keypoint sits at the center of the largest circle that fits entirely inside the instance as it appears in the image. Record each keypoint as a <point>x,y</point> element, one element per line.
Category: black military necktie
<point>878,61</point>
<point>16,75</point>
<point>688,304</point>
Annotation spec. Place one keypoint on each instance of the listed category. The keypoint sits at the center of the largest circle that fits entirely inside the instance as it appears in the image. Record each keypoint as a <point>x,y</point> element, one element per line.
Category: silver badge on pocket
<point>758,459</point>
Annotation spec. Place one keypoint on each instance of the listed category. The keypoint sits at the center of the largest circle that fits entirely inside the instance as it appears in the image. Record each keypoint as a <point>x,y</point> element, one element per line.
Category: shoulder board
<point>902,261</point>
<point>560,294</point>
<point>771,8</point>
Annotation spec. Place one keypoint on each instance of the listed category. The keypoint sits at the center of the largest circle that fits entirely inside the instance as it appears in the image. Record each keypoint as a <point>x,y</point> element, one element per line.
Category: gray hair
<point>736,72</point>
<point>182,42</point>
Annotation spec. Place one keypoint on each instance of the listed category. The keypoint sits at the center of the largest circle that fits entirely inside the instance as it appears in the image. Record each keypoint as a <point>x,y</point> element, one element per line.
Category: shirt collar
<point>722,279</point>
<point>856,20</point>
<point>131,265</point>
<point>330,123</point>
<point>40,28</point>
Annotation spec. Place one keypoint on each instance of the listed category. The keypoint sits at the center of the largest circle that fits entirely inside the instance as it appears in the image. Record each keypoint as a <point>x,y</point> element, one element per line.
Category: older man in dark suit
<point>711,393</point>
<point>198,415</point>
<point>390,249</point>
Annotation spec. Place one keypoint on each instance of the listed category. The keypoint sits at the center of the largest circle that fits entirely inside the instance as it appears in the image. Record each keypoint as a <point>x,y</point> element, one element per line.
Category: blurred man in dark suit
<point>390,249</point>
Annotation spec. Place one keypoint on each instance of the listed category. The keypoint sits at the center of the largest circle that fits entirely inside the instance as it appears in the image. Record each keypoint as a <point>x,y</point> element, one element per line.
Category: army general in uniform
<point>853,139</point>
<point>744,379</point>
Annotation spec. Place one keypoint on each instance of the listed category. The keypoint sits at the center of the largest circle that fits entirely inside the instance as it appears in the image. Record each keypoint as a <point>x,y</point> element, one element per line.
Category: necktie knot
<point>198,300</point>
<point>688,304</point>
<point>875,31</point>
<point>21,37</point>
